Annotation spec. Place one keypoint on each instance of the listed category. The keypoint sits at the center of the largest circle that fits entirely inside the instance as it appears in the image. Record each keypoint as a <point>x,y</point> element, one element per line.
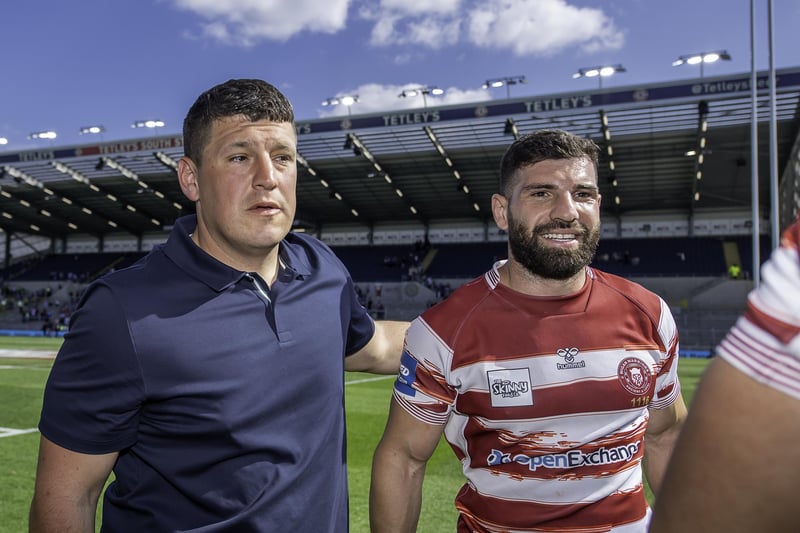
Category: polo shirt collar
<point>294,258</point>
<point>190,258</point>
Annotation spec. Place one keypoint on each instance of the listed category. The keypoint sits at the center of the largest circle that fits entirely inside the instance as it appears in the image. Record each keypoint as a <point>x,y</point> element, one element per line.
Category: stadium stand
<point>705,302</point>
<point>377,187</point>
<point>75,267</point>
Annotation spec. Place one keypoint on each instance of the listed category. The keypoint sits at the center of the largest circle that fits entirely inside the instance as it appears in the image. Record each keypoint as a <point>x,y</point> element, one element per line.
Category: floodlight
<point>148,124</point>
<point>91,129</point>
<point>345,100</point>
<point>424,91</point>
<point>701,59</point>
<point>43,135</point>
<point>599,72</point>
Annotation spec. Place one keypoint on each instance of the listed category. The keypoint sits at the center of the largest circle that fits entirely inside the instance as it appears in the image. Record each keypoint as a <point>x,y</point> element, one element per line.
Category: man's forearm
<point>395,497</point>
<point>60,516</point>
<point>658,450</point>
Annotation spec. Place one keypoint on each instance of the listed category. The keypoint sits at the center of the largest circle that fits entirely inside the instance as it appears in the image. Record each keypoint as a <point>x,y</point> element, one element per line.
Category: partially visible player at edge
<point>736,467</point>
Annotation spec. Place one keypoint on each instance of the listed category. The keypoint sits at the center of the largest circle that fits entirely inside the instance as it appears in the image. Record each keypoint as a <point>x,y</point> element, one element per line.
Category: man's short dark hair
<point>543,145</point>
<point>250,98</point>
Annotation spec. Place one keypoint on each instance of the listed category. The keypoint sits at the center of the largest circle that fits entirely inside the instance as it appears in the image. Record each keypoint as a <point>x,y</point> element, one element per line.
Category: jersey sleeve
<point>667,383</point>
<point>94,391</point>
<point>765,341</point>
<point>421,387</point>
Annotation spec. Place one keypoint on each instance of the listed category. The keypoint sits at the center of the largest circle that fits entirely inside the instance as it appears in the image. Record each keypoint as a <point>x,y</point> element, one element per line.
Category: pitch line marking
<point>11,432</point>
<point>367,380</point>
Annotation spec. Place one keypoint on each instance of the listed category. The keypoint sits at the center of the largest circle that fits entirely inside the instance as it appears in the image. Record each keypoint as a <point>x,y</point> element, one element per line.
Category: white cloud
<point>402,59</point>
<point>383,32</point>
<point>375,98</point>
<point>526,27</point>
<point>411,8</point>
<point>246,22</point>
<point>541,27</point>
<point>400,22</point>
<point>432,32</point>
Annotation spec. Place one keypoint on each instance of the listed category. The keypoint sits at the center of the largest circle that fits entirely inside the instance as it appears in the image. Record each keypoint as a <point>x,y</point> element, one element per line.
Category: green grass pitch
<point>22,380</point>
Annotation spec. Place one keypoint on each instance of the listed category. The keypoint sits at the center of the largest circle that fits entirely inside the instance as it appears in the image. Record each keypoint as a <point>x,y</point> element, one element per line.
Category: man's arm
<point>659,440</point>
<point>68,485</point>
<point>735,468</point>
<point>398,468</point>
<point>381,355</point>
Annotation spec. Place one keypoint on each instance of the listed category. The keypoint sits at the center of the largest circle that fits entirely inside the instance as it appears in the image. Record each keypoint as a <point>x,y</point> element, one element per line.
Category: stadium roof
<point>435,163</point>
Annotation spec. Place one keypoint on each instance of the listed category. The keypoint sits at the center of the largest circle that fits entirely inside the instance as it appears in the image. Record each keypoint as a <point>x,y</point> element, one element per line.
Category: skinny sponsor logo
<point>510,387</point>
<point>570,459</point>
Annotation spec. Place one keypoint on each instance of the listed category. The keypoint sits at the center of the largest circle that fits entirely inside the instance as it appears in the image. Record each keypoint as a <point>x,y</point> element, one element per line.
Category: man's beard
<point>551,262</point>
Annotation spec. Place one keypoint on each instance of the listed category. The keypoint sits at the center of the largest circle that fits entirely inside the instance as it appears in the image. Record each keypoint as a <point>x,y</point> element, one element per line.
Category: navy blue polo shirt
<point>225,398</point>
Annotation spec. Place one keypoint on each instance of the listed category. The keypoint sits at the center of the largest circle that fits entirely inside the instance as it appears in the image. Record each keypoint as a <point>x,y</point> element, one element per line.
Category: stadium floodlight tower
<point>701,59</point>
<point>421,91</point>
<point>506,81</point>
<point>152,124</point>
<point>89,130</point>
<point>148,124</point>
<point>599,72</point>
<point>49,134</point>
<point>345,100</point>
<point>3,140</point>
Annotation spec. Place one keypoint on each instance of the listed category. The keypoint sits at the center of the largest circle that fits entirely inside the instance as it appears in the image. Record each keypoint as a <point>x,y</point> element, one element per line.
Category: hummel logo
<point>569,354</point>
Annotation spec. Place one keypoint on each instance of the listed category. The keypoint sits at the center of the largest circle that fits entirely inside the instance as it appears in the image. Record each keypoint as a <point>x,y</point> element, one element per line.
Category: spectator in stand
<point>736,467</point>
<point>552,381</point>
<point>209,375</point>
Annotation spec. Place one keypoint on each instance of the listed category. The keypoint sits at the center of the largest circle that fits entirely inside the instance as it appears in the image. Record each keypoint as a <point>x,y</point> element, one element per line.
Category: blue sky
<point>69,64</point>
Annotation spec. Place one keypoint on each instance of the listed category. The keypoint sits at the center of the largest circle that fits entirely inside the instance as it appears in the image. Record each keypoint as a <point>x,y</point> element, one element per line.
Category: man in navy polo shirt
<point>209,376</point>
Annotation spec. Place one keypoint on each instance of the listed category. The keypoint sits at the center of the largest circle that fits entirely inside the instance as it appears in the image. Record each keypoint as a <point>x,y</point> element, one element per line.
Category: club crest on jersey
<point>634,375</point>
<point>568,355</point>
<point>510,387</point>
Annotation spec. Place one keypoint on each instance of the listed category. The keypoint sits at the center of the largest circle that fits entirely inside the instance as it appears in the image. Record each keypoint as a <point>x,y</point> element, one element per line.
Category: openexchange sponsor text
<point>570,459</point>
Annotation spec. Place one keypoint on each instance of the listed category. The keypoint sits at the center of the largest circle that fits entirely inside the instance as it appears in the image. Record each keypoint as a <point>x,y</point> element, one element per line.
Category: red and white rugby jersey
<point>765,341</point>
<point>545,399</point>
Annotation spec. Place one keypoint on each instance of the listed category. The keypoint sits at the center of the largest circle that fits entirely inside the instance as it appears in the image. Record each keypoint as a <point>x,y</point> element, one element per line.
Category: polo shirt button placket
<point>261,290</point>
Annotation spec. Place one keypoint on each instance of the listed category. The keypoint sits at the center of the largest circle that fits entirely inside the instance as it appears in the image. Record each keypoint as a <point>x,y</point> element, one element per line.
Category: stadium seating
<point>689,273</point>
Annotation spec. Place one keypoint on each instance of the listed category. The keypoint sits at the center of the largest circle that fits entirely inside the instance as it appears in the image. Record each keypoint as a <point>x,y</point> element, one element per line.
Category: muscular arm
<point>381,355</point>
<point>68,485</point>
<point>735,468</point>
<point>660,438</point>
<point>398,469</point>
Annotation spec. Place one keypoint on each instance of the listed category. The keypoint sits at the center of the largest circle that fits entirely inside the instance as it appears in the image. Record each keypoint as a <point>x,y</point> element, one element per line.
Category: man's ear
<point>499,210</point>
<point>187,177</point>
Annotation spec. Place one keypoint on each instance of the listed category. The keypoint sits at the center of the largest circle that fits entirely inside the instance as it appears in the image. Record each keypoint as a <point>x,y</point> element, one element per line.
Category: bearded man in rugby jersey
<point>554,383</point>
